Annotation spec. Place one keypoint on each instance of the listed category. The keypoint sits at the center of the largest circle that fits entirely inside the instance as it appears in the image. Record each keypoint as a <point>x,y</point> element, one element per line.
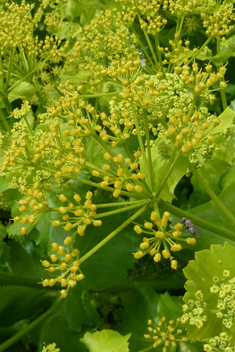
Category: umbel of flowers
<point>160,242</point>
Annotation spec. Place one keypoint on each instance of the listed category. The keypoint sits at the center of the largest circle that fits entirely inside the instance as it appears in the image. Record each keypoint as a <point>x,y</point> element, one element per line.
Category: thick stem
<point>149,44</point>
<point>29,327</point>
<point>159,53</point>
<point>141,144</point>
<point>198,52</point>
<point>4,120</point>
<point>117,211</point>
<point>150,163</point>
<point>23,281</point>
<point>222,92</point>
<point>112,234</point>
<point>142,46</point>
<point>149,348</point>
<point>213,196</point>
<point>197,221</point>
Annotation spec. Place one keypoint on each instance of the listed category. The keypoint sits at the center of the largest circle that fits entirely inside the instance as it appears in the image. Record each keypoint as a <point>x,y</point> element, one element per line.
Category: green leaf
<point>4,184</point>
<point>23,91</point>
<point>117,253</point>
<point>106,341</point>
<point>160,163</point>
<point>145,304</point>
<point>66,323</point>
<point>228,46</point>
<point>226,118</point>
<point>32,302</point>
<point>201,274</point>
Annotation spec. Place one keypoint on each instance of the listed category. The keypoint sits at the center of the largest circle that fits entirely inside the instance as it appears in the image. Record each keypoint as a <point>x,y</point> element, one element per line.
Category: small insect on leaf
<point>143,64</point>
<point>191,227</point>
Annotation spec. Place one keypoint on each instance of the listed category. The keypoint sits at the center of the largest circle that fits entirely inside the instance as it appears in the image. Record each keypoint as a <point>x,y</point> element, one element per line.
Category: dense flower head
<point>165,333</point>
<point>76,216</point>
<point>219,343</point>
<point>162,242</point>
<point>67,262</point>
<point>50,348</point>
<point>195,311</point>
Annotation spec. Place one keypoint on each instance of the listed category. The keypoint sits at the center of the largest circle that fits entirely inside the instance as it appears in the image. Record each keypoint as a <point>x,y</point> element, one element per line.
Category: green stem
<point>22,281</point>
<point>141,144</point>
<point>120,204</point>
<point>29,327</point>
<point>30,73</point>
<point>159,53</point>
<point>149,43</point>
<point>150,163</point>
<point>86,182</point>
<point>100,95</point>
<point>2,75</point>
<point>222,92</point>
<point>170,167</point>
<point>122,210</point>
<point>197,221</point>
<point>149,348</point>
<point>127,284</point>
<point>12,53</point>
<point>224,99</point>
<point>8,107</point>
<point>112,234</point>
<point>4,120</point>
<point>102,144</point>
<point>213,196</point>
<point>142,46</point>
<point>27,122</point>
<point>198,52</point>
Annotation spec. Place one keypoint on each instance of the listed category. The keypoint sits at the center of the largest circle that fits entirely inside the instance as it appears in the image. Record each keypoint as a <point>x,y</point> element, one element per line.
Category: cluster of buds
<point>127,175</point>
<point>189,133</point>
<point>160,243</point>
<point>165,333</point>
<point>34,206</point>
<point>77,216</point>
<point>68,264</point>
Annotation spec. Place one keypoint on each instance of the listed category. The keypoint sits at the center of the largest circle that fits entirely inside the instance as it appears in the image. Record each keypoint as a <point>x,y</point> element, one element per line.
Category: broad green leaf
<point>144,304</point>
<point>32,302</point>
<point>228,46</point>
<point>160,163</point>
<point>106,341</point>
<point>217,262</point>
<point>23,91</point>
<point>4,184</point>
<point>117,253</point>
<point>211,213</point>
<point>226,118</point>
<point>66,325</point>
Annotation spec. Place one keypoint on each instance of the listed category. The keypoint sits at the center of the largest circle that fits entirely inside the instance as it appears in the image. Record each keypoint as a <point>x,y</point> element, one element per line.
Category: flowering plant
<point>116,165</point>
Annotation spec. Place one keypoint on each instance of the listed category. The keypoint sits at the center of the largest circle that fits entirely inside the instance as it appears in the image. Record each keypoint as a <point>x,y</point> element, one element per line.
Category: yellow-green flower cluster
<point>160,243</point>
<point>105,39</point>
<point>220,343</point>
<point>195,311</point>
<point>77,216</point>
<point>34,206</point>
<point>224,289</point>
<point>50,348</point>
<point>125,176</point>
<point>165,333</point>
<point>68,264</point>
<point>150,19</point>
